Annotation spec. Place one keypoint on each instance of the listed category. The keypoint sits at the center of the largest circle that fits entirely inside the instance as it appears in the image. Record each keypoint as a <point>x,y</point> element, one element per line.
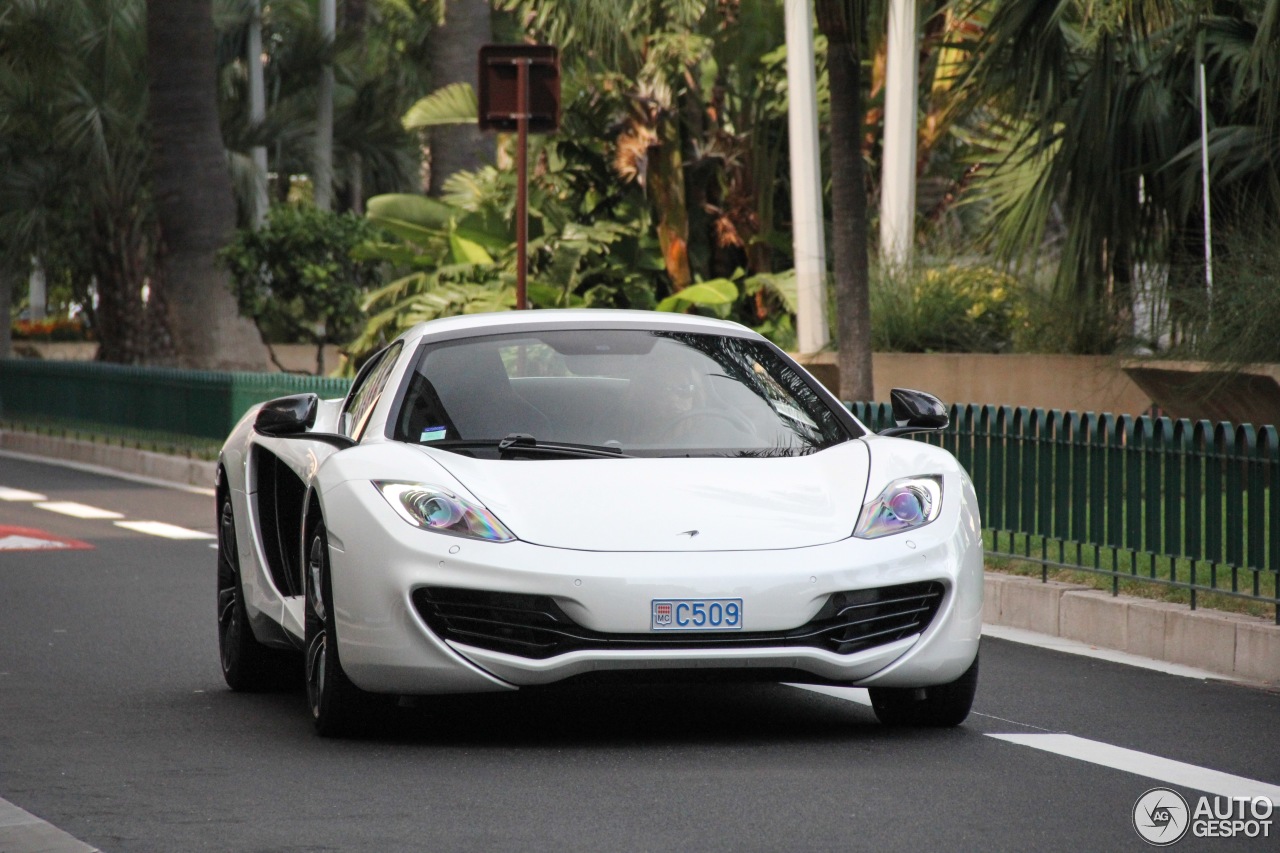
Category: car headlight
<point>903,505</point>
<point>434,508</point>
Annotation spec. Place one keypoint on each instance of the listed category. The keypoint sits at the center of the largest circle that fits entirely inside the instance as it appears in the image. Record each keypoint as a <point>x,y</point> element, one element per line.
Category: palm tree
<point>843,22</point>
<point>192,190</point>
<point>380,60</point>
<point>461,29</point>
<point>75,160</point>
<point>1092,115</point>
<point>1071,95</point>
<point>7,277</point>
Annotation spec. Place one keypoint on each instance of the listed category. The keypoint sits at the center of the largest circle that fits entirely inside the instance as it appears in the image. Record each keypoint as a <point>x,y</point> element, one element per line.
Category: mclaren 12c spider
<point>526,498</point>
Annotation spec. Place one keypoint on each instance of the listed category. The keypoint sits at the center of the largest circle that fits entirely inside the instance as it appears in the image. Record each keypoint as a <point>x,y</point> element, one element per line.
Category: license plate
<point>696,614</point>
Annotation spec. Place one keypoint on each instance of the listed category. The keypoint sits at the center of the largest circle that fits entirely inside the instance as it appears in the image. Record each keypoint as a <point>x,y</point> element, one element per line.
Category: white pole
<point>37,292</point>
<point>898,172</point>
<point>323,167</point>
<point>257,111</point>
<point>806,180</point>
<point>1204,172</point>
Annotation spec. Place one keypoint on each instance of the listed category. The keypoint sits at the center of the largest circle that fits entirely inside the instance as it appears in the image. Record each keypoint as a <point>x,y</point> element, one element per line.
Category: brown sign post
<point>520,91</point>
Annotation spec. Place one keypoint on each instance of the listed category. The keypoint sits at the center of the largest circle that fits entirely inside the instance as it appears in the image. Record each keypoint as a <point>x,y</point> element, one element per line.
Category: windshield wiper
<point>520,443</point>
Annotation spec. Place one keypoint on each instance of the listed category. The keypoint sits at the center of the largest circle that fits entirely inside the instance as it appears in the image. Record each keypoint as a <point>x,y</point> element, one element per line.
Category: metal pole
<point>1204,170</point>
<point>522,180</point>
<point>806,180</point>
<point>898,172</point>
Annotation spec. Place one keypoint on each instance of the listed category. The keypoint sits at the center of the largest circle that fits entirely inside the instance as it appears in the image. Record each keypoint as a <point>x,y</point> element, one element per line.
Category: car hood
<point>686,504</point>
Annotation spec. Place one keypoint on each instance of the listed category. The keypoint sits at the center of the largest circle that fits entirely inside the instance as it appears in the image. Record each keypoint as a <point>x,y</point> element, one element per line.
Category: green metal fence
<point>1188,505</point>
<point>180,402</point>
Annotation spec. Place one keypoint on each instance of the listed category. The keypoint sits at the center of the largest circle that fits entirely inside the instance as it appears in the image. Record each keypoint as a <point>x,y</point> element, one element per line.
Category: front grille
<point>534,626</point>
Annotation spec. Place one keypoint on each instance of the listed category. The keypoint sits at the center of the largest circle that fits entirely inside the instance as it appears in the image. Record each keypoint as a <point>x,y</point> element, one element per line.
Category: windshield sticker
<point>789,411</point>
<point>433,433</point>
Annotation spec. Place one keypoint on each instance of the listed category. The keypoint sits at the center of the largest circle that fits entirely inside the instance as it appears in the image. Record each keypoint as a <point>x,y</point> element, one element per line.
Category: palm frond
<point>452,104</point>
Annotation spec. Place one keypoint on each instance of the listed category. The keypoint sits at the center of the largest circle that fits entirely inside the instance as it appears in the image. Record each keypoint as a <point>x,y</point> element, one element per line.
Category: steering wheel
<point>737,421</point>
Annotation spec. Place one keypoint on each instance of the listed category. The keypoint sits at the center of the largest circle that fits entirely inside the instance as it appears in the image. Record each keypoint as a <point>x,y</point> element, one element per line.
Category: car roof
<point>502,322</point>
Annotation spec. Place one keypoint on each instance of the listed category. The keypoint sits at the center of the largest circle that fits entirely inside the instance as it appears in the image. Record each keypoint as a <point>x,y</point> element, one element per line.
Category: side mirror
<point>915,411</point>
<point>287,415</point>
<point>291,417</point>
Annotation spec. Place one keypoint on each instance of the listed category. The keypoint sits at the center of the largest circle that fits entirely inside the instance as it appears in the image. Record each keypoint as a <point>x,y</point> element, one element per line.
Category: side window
<point>366,391</point>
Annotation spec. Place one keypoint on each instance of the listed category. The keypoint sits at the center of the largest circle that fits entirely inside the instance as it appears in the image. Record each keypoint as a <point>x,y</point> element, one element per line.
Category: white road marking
<point>159,528</point>
<point>851,694</point>
<point>1145,764</point>
<point>78,510</point>
<point>1062,644</point>
<point>8,494</point>
<point>862,697</point>
<point>1106,755</point>
<point>31,539</point>
<point>29,543</point>
<point>84,511</point>
<point>21,830</point>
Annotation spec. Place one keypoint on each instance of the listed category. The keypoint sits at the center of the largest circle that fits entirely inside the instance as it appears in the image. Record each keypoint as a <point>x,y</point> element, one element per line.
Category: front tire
<point>938,706</point>
<point>247,665</point>
<point>338,707</point>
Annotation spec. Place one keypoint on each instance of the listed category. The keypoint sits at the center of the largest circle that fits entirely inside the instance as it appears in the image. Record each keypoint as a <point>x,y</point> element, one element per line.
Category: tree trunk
<point>192,185</point>
<point>6,310</point>
<point>848,202</point>
<point>666,187</point>
<point>354,20</point>
<point>455,58</point>
<point>130,330</point>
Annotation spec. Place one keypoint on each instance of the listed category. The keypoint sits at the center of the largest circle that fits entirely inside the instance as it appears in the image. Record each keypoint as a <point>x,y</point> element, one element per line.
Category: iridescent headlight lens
<point>903,505</point>
<point>434,508</point>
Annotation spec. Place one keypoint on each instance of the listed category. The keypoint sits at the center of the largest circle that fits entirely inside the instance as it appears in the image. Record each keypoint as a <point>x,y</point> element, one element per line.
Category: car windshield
<point>641,393</point>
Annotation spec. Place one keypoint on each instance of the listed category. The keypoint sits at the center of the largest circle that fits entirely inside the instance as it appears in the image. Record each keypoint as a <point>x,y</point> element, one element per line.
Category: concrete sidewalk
<point>1233,645</point>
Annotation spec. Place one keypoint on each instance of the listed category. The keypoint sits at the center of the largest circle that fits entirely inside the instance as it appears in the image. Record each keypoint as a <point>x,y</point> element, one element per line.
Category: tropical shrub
<point>456,259</point>
<point>673,127</point>
<point>954,308</point>
<point>297,278</point>
<point>1236,324</point>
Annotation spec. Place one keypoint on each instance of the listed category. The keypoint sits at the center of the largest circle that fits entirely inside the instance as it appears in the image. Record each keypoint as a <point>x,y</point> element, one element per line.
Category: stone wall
<point>1079,383</point>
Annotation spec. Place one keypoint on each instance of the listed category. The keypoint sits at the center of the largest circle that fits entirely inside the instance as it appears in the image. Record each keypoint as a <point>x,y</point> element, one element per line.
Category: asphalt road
<point>116,728</point>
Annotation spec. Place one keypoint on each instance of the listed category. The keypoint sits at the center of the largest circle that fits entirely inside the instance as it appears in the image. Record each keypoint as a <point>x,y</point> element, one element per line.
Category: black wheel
<point>337,706</point>
<point>247,665</point>
<point>939,706</point>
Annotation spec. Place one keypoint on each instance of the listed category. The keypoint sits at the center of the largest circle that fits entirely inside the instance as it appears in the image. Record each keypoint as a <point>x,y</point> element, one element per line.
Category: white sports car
<point>525,498</point>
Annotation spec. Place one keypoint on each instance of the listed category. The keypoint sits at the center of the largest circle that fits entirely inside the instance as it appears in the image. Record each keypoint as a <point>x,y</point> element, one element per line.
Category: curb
<point>142,463</point>
<point>1229,644</point>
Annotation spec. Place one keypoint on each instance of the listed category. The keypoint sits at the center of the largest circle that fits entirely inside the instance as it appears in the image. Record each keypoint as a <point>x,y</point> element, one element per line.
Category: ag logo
<point>1161,817</point>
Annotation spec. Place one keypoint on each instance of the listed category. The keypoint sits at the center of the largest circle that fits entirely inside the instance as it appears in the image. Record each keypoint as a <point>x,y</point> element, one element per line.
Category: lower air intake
<point>534,626</point>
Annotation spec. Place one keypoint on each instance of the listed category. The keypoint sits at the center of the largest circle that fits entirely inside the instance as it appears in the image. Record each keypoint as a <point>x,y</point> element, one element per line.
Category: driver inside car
<point>672,405</point>
<point>663,400</point>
